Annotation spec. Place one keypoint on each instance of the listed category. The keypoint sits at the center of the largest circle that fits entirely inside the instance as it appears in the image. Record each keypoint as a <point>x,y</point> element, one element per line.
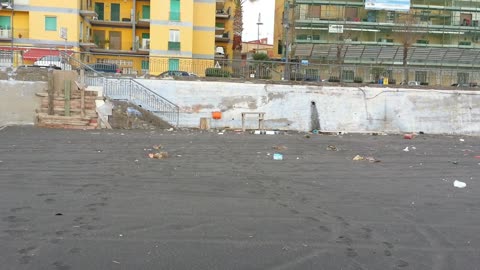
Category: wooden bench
<point>261,120</point>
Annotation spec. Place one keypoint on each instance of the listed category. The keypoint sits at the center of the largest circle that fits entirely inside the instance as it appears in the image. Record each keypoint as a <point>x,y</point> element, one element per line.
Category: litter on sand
<point>369,159</point>
<point>408,136</point>
<point>459,184</point>
<point>406,149</point>
<point>358,158</point>
<point>462,140</point>
<point>280,147</point>
<point>332,148</point>
<point>160,155</point>
<point>277,156</point>
<point>157,146</point>
<point>372,159</point>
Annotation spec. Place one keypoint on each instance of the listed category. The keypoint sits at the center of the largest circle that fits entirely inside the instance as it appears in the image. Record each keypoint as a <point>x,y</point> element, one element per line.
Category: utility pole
<point>258,31</point>
<point>286,27</point>
<point>133,18</point>
<point>10,5</point>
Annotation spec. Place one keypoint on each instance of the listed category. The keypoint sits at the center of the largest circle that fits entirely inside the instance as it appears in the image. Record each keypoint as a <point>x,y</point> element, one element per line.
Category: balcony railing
<point>173,46</point>
<point>17,33</point>
<point>5,33</point>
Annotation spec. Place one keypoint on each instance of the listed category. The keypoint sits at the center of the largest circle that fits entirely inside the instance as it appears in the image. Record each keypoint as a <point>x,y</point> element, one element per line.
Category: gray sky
<point>250,19</point>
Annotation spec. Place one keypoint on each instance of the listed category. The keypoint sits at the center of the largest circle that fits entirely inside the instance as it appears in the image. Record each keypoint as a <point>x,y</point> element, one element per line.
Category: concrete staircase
<point>127,89</point>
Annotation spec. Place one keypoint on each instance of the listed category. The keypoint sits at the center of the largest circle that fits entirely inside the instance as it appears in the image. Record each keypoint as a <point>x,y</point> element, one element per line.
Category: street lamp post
<point>10,6</point>
<point>286,71</point>
<point>258,31</point>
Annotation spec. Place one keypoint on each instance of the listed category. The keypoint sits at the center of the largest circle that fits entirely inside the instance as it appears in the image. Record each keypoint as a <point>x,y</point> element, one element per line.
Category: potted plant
<point>107,44</point>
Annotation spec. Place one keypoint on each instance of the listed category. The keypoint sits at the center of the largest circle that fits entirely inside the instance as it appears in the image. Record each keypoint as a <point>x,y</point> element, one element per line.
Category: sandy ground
<point>93,200</point>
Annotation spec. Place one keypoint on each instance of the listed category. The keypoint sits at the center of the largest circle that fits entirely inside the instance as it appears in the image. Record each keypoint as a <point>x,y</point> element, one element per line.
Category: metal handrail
<point>132,90</point>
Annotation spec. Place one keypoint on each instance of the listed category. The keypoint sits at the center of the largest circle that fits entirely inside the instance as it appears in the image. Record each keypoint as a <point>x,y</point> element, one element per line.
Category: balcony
<point>124,22</point>
<point>6,4</point>
<point>461,5</point>
<point>5,34</point>
<point>143,23</point>
<point>222,14</point>
<point>379,23</point>
<point>118,48</point>
<point>220,4</point>
<point>87,43</point>
<point>86,9</point>
<point>173,46</point>
<point>224,37</point>
<point>145,46</point>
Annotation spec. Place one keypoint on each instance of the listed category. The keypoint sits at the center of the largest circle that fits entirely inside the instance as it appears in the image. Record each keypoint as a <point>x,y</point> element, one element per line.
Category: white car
<point>53,61</point>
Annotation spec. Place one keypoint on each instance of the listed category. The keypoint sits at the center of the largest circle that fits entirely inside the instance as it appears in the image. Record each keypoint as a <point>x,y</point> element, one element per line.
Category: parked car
<point>176,73</point>
<point>54,61</point>
<point>472,84</point>
<point>105,67</point>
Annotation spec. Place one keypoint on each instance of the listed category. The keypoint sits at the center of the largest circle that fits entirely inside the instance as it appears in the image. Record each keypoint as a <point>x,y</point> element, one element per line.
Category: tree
<point>238,28</point>
<point>408,37</point>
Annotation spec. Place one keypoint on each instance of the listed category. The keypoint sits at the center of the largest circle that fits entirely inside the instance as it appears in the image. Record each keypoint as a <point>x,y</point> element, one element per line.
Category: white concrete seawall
<point>289,107</point>
<point>349,109</point>
<point>18,102</point>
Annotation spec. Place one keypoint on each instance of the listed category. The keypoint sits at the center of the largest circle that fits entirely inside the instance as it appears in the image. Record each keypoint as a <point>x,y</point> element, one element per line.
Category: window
<point>50,23</point>
<point>174,10</point>
<point>348,75</point>
<point>174,40</point>
<point>145,65</point>
<point>391,16</point>
<point>424,16</point>
<point>5,22</point>
<point>314,12</point>
<point>145,12</point>
<point>280,47</point>
<point>421,76</point>
<point>115,12</point>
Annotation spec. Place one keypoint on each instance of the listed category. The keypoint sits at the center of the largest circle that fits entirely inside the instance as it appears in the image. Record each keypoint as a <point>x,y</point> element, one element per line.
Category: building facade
<point>428,33</point>
<point>141,36</point>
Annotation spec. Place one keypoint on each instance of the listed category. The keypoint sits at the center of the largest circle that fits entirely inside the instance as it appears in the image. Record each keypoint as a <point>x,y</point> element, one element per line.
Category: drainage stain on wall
<point>314,117</point>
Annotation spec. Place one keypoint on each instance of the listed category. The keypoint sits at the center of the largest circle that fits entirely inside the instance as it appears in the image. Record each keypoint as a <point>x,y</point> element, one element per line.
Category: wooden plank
<point>204,123</point>
<point>68,88</point>
<point>104,120</point>
<point>82,101</point>
<point>51,91</point>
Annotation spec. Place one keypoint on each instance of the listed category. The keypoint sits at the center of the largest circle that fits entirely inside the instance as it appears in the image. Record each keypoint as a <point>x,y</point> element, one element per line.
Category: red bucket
<point>217,115</point>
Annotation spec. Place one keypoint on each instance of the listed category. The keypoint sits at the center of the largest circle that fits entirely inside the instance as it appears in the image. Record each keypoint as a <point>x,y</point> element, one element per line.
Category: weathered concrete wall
<point>18,102</point>
<point>351,109</point>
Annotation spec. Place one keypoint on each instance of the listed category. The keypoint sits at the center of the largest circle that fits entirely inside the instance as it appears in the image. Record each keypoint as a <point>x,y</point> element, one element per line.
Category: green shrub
<point>334,79</point>
<point>217,72</point>
<point>358,80</point>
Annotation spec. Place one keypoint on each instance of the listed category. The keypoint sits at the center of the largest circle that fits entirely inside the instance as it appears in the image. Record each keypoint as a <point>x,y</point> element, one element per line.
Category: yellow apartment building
<point>141,36</point>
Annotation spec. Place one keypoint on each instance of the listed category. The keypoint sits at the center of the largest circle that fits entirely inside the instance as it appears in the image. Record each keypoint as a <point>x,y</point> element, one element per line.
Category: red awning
<point>35,54</point>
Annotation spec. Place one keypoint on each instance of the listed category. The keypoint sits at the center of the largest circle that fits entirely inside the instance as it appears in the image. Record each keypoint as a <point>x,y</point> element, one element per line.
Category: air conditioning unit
<point>146,43</point>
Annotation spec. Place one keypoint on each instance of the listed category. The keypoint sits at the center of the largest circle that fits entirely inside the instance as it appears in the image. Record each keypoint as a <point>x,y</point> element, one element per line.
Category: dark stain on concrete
<point>236,102</point>
<point>272,96</point>
<point>279,121</point>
